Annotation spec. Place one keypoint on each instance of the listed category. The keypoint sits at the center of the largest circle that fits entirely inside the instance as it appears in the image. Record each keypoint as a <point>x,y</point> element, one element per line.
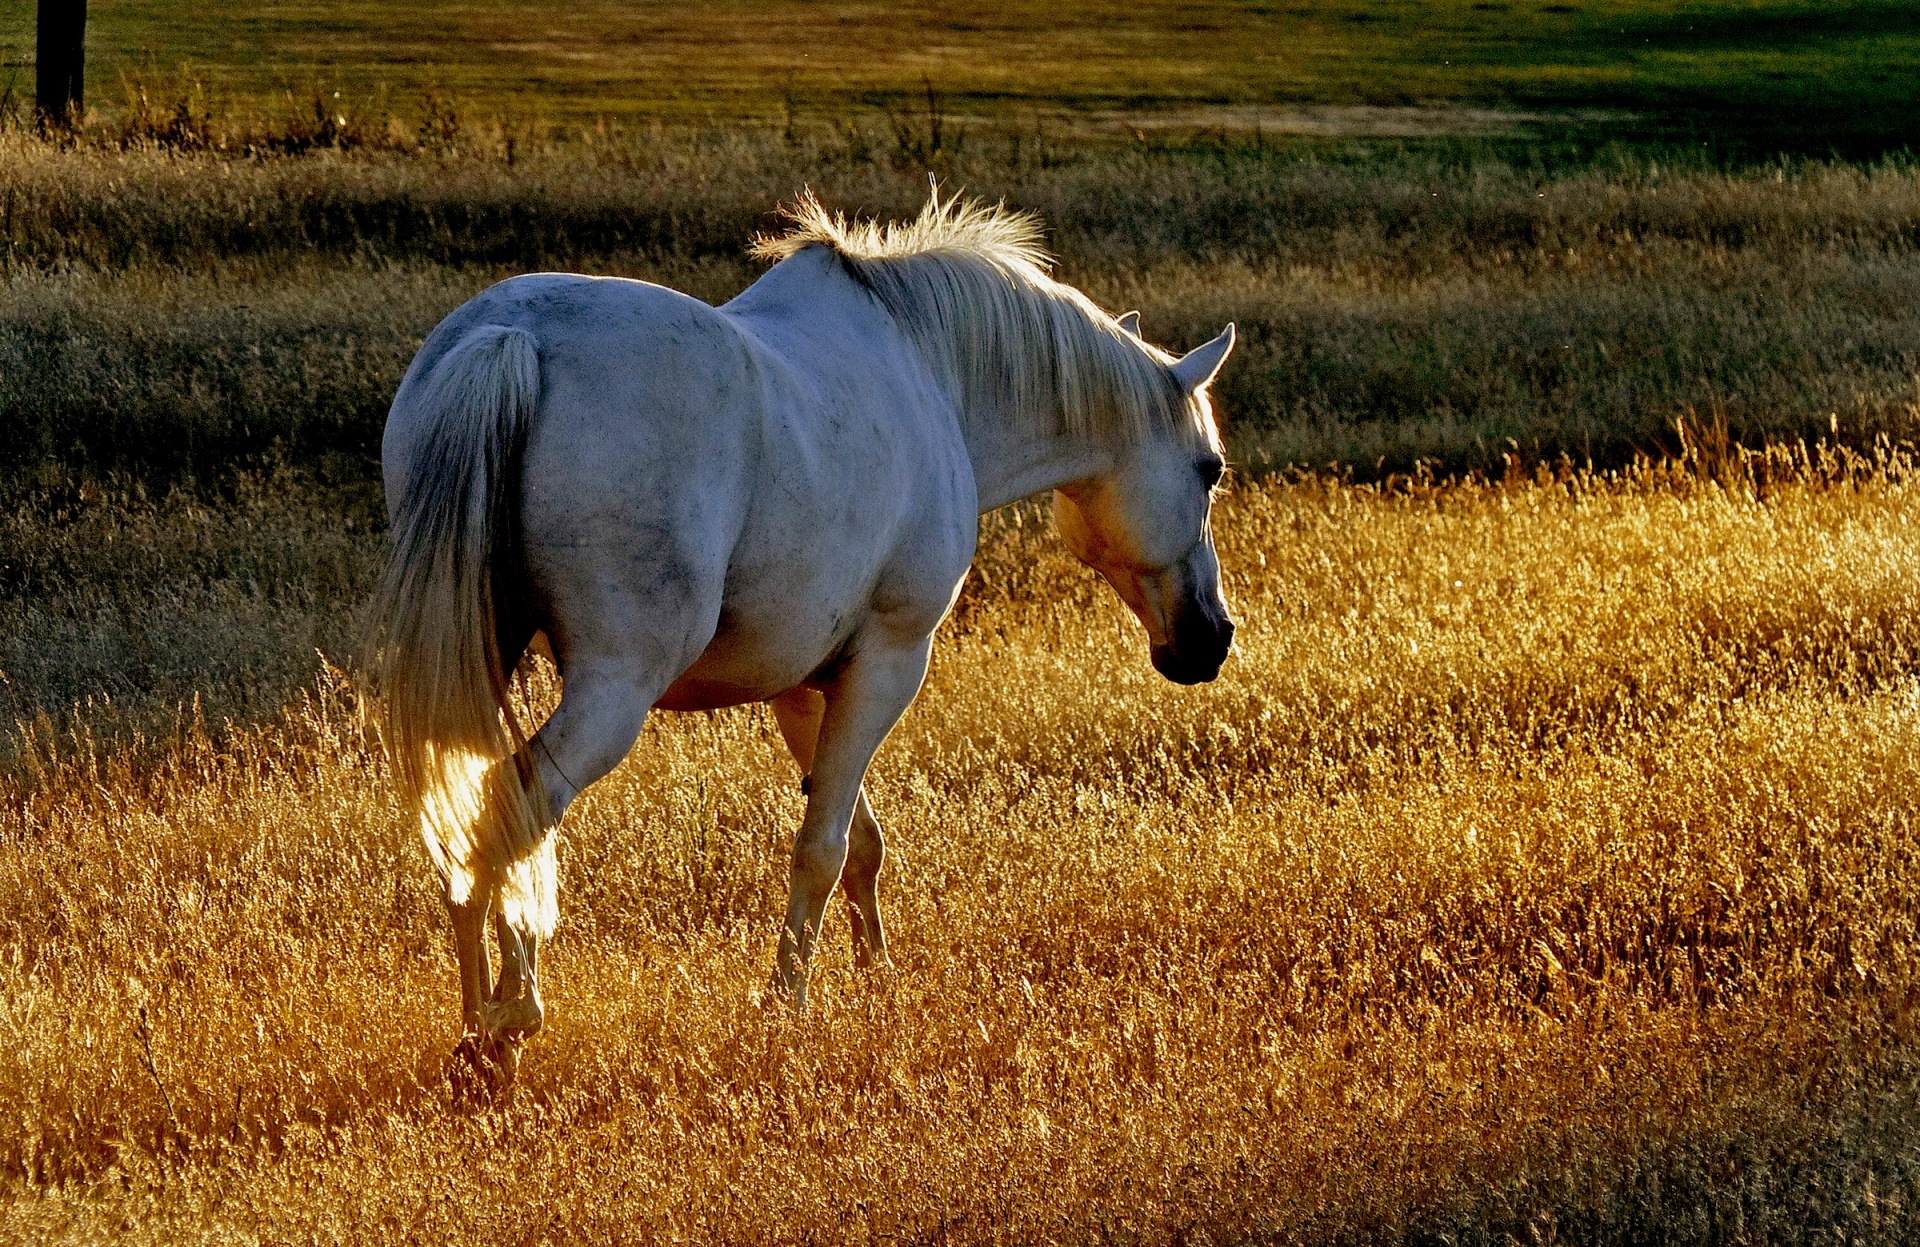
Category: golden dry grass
<point>1544,865</point>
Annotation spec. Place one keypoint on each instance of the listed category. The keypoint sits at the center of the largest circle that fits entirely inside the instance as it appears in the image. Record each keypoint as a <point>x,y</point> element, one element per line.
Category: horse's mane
<point>968,283</point>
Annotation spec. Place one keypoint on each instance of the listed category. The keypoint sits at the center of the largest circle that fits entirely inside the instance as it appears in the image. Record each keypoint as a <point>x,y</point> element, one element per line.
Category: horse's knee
<point>819,859</point>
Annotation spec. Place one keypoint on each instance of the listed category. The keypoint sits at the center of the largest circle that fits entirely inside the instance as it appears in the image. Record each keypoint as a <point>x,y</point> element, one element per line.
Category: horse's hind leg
<point>470,951</point>
<point>515,1003</point>
<point>474,1069</point>
<point>799,713</point>
<point>601,711</point>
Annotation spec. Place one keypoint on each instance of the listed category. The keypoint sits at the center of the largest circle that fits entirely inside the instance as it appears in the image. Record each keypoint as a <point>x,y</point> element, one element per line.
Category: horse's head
<point>1145,526</point>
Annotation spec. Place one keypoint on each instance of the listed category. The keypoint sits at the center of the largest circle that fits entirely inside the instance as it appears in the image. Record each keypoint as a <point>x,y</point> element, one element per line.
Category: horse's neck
<point>1010,462</point>
<point>1011,459</point>
<point>1015,456</point>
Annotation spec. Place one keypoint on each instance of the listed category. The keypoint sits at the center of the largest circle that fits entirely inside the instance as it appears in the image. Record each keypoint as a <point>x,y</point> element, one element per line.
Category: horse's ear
<point>1198,366</point>
<point>1129,322</point>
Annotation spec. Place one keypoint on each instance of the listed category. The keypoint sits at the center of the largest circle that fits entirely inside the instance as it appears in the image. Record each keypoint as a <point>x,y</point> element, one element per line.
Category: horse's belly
<point>688,693</point>
<point>743,664</point>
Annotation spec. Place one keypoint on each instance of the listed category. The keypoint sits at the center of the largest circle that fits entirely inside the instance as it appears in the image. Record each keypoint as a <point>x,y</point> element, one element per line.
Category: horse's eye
<point>1210,469</point>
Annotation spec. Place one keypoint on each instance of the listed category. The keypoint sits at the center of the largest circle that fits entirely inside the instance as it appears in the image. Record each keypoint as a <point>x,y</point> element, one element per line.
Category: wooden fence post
<point>60,57</point>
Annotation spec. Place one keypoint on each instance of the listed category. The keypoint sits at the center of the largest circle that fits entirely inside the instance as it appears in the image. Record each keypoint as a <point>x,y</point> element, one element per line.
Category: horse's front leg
<point>860,879</point>
<point>866,699</point>
<point>799,714</point>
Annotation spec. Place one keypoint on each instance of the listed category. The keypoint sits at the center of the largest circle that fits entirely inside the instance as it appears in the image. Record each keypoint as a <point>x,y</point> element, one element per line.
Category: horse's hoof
<point>785,995</point>
<point>786,990</point>
<point>482,1069</point>
<point>506,1058</point>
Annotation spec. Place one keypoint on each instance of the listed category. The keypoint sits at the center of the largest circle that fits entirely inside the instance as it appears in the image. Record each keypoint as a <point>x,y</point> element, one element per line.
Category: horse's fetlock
<point>482,1070</point>
<point>520,1017</point>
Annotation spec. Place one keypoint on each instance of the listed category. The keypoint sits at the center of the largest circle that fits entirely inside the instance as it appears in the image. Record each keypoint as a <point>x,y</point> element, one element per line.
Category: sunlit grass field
<point>1541,866</point>
<point>197,349</point>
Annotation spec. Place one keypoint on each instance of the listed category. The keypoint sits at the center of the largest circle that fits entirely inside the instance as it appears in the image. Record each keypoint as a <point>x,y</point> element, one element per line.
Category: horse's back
<point>863,508</point>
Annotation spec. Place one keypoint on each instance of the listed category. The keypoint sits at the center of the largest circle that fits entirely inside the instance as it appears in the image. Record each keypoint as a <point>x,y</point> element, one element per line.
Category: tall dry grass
<point>1543,868</point>
<point>140,610</point>
<point>166,312</point>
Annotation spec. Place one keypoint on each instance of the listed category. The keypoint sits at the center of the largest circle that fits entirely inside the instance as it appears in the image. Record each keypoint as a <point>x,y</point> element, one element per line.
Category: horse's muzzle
<point>1198,648</point>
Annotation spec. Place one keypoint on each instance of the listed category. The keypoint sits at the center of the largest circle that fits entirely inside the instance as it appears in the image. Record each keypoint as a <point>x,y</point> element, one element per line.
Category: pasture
<point>1542,867</point>
<point>1809,76</point>
<point>197,349</point>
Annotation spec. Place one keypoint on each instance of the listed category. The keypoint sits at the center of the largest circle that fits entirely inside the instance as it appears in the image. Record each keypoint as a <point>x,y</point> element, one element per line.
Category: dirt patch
<point>1322,120</point>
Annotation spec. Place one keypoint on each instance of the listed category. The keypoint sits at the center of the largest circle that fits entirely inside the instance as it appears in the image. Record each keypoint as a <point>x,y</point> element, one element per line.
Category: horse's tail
<point>457,747</point>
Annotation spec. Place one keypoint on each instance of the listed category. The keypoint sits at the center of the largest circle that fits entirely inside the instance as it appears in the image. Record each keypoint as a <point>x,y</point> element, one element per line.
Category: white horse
<point>774,500</point>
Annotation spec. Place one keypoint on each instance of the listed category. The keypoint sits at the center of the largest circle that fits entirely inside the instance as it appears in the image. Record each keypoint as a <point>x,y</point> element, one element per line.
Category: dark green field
<point>1802,75</point>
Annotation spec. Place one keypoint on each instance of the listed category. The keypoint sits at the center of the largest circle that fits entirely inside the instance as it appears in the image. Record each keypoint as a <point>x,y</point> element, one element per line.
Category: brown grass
<point>165,314</point>
<point>1543,866</point>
